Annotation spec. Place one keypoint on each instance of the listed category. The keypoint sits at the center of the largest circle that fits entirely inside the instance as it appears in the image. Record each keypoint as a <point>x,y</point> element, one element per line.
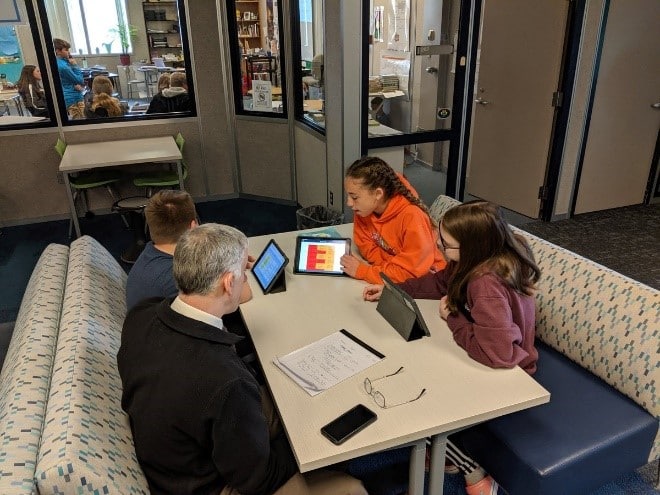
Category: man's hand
<point>250,262</point>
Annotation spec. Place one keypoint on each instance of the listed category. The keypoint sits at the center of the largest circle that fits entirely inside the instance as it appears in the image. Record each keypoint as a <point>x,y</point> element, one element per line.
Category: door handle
<point>655,105</point>
<point>481,101</point>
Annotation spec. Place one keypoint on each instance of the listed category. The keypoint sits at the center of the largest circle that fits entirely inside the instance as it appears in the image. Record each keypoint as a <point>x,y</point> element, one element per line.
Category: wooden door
<point>624,123</point>
<point>518,72</point>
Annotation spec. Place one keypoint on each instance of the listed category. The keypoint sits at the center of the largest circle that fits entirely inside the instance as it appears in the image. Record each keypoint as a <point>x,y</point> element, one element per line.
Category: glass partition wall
<point>308,50</point>
<point>412,87</point>
<point>255,34</point>
<point>118,59</point>
<point>25,93</point>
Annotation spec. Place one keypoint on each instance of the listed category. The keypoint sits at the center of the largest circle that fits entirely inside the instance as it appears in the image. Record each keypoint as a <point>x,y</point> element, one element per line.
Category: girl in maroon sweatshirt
<point>486,297</point>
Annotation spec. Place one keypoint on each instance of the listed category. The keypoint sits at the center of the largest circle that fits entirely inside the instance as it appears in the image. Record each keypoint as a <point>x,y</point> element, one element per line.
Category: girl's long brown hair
<point>374,173</point>
<point>26,78</point>
<point>487,245</point>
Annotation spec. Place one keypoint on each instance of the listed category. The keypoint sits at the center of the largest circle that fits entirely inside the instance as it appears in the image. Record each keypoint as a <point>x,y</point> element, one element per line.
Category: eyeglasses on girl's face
<point>444,244</point>
<point>379,398</point>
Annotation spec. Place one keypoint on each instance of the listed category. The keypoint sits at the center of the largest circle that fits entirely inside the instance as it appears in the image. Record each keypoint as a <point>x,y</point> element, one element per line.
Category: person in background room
<point>71,77</point>
<point>32,92</point>
<point>163,82</point>
<point>101,102</point>
<point>172,99</point>
<point>377,112</point>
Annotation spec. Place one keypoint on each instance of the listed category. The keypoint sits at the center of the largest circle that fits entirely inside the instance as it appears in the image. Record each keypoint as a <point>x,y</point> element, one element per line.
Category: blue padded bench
<point>597,334</point>
<point>587,431</point>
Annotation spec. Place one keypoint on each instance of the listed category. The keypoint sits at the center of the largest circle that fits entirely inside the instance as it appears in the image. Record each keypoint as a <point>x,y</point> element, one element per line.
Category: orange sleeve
<point>416,251</point>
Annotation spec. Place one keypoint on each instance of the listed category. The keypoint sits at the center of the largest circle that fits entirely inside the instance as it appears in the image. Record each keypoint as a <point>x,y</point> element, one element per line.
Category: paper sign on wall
<point>262,96</point>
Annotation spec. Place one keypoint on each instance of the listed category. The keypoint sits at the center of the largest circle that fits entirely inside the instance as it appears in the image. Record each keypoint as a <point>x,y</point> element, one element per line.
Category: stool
<point>133,207</point>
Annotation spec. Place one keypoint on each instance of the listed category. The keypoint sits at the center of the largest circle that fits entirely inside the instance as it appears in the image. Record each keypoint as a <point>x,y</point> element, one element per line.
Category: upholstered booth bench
<point>62,429</point>
<point>598,335</point>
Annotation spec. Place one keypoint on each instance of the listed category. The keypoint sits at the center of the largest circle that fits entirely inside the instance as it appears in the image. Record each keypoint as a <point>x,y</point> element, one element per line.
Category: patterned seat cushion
<point>87,444</point>
<point>26,373</point>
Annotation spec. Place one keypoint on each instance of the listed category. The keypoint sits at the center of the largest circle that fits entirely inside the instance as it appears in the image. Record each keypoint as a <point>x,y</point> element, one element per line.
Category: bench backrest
<point>606,322</point>
<point>87,444</point>
<point>26,372</point>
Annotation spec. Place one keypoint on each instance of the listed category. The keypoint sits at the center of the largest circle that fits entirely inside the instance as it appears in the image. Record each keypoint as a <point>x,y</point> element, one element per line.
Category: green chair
<point>163,178</point>
<point>89,180</point>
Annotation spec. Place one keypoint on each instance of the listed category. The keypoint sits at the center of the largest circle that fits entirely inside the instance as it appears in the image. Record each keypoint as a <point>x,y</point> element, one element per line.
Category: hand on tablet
<point>372,292</point>
<point>250,261</point>
<point>349,265</point>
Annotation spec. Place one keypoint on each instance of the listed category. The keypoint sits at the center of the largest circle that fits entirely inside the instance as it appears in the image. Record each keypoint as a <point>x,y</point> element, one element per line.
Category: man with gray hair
<point>200,424</point>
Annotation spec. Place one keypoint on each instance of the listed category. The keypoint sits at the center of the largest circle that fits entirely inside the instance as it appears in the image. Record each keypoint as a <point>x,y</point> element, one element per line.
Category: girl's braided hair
<point>374,173</point>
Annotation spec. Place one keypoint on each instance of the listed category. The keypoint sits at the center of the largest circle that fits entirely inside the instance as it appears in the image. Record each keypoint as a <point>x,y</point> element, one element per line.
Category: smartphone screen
<point>348,424</point>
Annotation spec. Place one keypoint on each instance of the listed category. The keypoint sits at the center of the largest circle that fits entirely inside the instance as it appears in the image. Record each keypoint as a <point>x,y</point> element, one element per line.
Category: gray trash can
<point>315,216</point>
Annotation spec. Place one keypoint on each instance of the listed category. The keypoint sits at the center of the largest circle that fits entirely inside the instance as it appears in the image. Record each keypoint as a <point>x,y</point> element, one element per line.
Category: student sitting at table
<point>392,227</point>
<point>378,112</point>
<point>486,295</point>
<point>32,91</point>
<point>169,215</point>
<point>163,82</point>
<point>199,420</point>
<point>172,99</point>
<point>100,102</point>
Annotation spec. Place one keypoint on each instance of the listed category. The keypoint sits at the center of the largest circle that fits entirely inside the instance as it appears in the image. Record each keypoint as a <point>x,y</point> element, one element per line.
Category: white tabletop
<point>376,129</point>
<point>19,119</point>
<point>124,152</point>
<point>460,392</point>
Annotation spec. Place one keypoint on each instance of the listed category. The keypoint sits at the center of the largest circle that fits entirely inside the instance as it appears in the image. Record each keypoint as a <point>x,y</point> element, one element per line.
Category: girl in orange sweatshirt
<point>392,228</point>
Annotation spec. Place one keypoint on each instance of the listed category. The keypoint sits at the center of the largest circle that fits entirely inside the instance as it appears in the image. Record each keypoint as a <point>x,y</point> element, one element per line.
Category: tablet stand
<point>400,315</point>
<point>279,285</point>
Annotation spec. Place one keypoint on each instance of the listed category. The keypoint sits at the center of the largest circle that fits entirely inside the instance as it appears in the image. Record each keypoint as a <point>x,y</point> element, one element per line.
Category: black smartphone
<point>348,424</point>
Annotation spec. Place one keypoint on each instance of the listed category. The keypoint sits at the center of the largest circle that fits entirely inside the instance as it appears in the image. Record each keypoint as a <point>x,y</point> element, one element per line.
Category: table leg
<point>416,470</point>
<point>72,205</point>
<point>179,171</point>
<point>437,471</point>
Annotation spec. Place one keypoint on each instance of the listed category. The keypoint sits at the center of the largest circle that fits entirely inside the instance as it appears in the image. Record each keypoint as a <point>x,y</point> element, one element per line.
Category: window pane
<point>24,91</point>
<point>101,18</point>
<point>78,37</point>
<point>146,77</point>
<point>310,63</point>
<point>256,56</point>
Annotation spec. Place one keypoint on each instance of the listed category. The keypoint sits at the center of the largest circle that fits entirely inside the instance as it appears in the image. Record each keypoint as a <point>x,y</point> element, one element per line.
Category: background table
<point>11,95</point>
<point>459,391</point>
<point>79,157</point>
<point>19,119</point>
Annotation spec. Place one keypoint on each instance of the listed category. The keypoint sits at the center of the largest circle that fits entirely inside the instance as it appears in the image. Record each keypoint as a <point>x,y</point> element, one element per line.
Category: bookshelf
<point>161,21</point>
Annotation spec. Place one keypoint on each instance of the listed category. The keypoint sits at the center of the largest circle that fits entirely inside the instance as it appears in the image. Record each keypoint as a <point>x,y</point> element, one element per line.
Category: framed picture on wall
<point>9,12</point>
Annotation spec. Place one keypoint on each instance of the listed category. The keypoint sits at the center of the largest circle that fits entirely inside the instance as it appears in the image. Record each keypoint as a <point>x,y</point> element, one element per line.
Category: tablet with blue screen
<point>269,268</point>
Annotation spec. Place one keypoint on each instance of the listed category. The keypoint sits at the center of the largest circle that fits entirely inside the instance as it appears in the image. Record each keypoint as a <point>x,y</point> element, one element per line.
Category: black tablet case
<point>394,307</point>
